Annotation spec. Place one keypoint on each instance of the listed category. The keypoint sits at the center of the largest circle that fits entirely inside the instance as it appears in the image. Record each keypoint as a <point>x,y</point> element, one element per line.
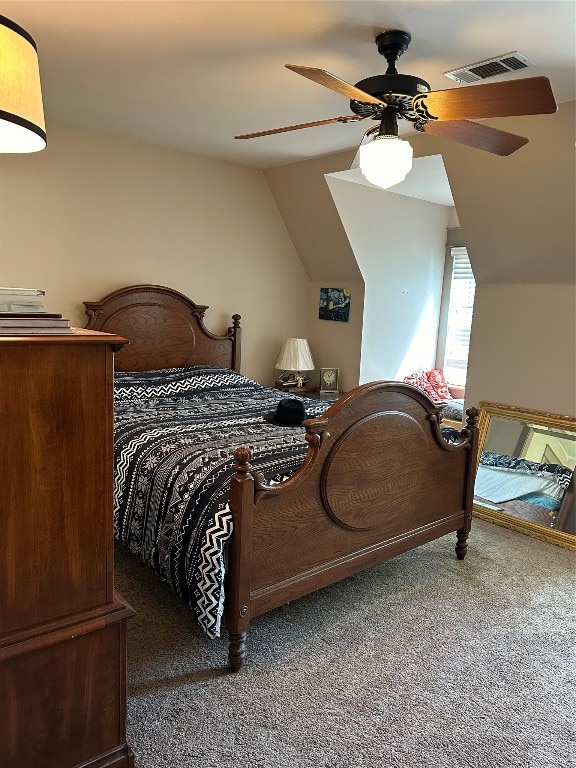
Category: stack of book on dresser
<point>22,313</point>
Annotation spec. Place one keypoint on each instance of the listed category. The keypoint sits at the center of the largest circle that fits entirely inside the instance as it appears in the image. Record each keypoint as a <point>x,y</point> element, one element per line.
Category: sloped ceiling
<point>306,205</point>
<point>516,213</point>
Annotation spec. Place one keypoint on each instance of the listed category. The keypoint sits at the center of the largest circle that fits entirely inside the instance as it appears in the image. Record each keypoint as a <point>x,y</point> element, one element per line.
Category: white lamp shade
<point>386,160</point>
<point>22,127</point>
<point>295,356</point>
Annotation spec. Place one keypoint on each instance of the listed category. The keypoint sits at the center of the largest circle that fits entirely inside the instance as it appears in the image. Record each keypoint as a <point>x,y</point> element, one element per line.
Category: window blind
<point>460,309</point>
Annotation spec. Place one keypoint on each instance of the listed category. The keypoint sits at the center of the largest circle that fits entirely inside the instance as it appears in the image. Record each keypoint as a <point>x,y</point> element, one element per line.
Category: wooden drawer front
<point>61,705</point>
<point>56,481</point>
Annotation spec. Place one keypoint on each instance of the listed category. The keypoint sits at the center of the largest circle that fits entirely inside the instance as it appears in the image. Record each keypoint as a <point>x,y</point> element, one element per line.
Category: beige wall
<point>516,212</point>
<point>522,349</point>
<point>399,244</point>
<point>312,219</point>
<point>517,219</point>
<point>335,344</point>
<point>302,195</point>
<point>388,248</point>
<point>517,216</point>
<point>331,245</point>
<point>93,213</point>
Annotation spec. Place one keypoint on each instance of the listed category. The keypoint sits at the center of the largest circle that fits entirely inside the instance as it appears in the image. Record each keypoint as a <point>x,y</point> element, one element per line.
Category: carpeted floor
<point>424,661</point>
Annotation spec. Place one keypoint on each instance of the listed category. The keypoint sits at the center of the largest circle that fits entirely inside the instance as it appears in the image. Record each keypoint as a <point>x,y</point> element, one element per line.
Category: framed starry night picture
<point>334,304</point>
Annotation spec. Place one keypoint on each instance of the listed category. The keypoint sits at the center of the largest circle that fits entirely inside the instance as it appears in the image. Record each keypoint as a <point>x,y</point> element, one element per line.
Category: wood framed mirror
<point>525,478</point>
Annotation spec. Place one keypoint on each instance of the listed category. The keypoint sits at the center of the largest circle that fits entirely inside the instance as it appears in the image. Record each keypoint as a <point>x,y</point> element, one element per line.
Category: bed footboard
<point>378,479</point>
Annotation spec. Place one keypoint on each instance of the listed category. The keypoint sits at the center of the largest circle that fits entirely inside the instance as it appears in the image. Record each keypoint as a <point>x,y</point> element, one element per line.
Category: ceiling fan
<point>392,96</point>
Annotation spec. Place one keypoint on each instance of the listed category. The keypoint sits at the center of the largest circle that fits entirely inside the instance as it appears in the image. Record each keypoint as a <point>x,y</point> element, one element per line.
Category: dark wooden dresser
<point>62,626</point>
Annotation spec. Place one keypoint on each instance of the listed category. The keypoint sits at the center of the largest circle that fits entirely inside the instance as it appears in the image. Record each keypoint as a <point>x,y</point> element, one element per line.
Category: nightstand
<point>302,391</point>
<point>317,395</point>
<point>312,392</point>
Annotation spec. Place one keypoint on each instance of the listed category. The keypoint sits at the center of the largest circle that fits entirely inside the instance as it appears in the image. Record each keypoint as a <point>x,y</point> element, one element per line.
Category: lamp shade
<point>295,356</point>
<point>386,160</point>
<point>22,127</point>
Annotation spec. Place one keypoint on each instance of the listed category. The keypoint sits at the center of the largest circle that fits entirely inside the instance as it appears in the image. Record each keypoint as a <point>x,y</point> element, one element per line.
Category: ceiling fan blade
<point>368,136</point>
<point>335,84</point>
<point>344,119</point>
<point>530,96</point>
<point>477,135</point>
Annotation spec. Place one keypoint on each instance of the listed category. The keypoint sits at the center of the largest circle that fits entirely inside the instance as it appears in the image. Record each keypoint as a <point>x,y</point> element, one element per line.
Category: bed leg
<point>240,558</point>
<point>237,650</point>
<point>462,543</point>
<point>470,431</point>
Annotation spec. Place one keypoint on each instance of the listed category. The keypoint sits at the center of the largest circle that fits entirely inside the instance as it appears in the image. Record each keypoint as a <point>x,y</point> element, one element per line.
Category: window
<point>457,309</point>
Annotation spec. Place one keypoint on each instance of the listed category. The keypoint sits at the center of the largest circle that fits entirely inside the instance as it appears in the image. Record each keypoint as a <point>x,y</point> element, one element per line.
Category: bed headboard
<point>165,329</point>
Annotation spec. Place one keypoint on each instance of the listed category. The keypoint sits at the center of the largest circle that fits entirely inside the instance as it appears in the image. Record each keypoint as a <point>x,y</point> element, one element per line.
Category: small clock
<point>329,380</point>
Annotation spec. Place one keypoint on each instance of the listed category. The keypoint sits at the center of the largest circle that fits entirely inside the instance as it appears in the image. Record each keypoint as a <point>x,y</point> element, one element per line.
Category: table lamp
<point>294,358</point>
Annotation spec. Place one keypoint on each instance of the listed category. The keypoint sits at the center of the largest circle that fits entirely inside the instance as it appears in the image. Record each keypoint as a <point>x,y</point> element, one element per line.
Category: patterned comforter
<point>175,431</point>
<point>501,478</point>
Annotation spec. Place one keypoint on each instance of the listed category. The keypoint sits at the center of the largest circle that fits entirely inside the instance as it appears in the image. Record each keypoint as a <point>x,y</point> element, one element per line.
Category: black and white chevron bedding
<point>506,480</point>
<point>561,475</point>
<point>175,431</point>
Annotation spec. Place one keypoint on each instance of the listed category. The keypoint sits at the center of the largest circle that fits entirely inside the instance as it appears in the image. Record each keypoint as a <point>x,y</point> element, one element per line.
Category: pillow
<point>438,383</point>
<point>419,380</point>
<point>453,410</point>
<point>541,500</point>
<point>178,382</point>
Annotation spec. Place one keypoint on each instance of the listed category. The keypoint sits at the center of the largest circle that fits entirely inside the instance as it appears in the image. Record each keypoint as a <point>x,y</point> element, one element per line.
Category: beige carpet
<point>424,661</point>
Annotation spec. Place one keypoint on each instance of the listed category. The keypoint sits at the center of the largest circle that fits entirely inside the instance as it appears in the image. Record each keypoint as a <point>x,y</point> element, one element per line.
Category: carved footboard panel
<point>379,479</point>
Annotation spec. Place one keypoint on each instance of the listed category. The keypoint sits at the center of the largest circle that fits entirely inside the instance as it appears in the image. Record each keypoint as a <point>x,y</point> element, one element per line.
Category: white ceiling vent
<point>498,65</point>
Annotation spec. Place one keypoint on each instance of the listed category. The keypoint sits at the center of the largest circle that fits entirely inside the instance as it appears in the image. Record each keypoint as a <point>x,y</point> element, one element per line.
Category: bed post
<point>235,332</point>
<point>470,431</point>
<point>239,558</point>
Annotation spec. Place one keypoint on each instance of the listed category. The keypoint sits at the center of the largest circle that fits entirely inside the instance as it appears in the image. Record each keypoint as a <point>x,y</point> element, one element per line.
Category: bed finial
<point>242,456</point>
<point>472,415</point>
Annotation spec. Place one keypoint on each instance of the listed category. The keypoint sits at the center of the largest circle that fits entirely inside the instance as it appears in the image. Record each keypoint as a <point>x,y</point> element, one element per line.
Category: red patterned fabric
<point>438,383</point>
<point>420,381</point>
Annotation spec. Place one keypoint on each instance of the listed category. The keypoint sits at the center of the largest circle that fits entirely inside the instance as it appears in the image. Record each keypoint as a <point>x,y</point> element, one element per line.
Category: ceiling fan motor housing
<point>394,90</point>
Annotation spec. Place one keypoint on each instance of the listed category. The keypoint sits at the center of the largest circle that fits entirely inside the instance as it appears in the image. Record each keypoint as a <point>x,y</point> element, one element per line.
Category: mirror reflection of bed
<point>525,476</point>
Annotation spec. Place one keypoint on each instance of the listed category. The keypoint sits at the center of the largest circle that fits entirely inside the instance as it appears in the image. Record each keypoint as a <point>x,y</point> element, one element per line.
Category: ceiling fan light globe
<point>386,161</point>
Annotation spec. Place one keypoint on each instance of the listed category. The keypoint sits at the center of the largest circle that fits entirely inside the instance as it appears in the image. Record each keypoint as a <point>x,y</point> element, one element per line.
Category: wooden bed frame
<point>378,478</point>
